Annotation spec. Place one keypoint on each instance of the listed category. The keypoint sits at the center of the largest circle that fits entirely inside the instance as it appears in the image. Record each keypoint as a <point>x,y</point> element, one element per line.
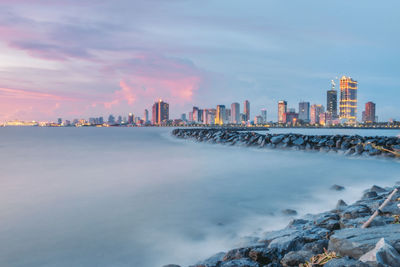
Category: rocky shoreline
<point>330,239</point>
<point>382,146</point>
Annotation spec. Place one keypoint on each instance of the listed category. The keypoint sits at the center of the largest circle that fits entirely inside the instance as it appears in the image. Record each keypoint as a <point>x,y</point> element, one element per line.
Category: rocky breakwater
<point>330,239</point>
<point>348,145</point>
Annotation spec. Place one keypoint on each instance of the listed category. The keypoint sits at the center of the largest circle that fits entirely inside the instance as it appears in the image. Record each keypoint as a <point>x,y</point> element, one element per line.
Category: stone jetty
<point>330,239</point>
<point>386,146</point>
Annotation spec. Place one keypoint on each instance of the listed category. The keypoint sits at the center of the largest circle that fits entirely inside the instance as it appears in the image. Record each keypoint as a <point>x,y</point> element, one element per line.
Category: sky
<point>86,58</point>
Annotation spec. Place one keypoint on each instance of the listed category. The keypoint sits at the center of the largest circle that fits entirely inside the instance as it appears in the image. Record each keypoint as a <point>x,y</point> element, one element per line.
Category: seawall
<point>382,146</point>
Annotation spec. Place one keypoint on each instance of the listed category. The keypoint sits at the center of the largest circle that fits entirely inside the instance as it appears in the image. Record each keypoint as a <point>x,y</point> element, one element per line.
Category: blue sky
<point>76,59</point>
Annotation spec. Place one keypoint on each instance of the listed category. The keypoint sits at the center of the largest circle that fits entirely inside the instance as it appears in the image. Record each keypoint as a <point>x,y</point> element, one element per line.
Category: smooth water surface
<point>140,197</point>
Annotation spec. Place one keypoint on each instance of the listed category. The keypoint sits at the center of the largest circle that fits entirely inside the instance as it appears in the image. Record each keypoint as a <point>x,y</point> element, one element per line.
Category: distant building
<point>111,119</point>
<point>195,112</point>
<point>264,115</point>
<point>325,118</point>
<point>282,109</point>
<point>59,121</point>
<point>183,117</point>
<point>146,116</point>
<point>101,120</point>
<point>160,112</point>
<point>258,120</point>
<point>304,111</point>
<point>315,112</point>
<point>220,115</point>
<point>131,118</point>
<point>290,117</point>
<point>348,100</point>
<point>242,118</point>
<point>191,116</point>
<point>235,113</point>
<point>331,101</point>
<point>369,116</point>
<point>246,109</point>
<point>210,116</point>
<point>228,115</point>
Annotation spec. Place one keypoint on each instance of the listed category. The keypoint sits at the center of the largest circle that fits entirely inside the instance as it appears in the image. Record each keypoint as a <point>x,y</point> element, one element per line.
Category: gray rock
<point>316,247</point>
<point>383,253</point>
<point>213,261</point>
<point>240,263</point>
<point>171,265</point>
<point>337,187</point>
<point>345,262</point>
<point>355,242</point>
<point>277,139</point>
<point>341,205</point>
<point>299,141</point>
<point>355,211</point>
<point>289,212</point>
<point>377,189</point>
<point>369,194</point>
<point>294,258</point>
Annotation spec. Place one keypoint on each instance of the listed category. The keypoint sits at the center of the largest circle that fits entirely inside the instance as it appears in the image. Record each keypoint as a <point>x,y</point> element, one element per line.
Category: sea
<point>140,197</point>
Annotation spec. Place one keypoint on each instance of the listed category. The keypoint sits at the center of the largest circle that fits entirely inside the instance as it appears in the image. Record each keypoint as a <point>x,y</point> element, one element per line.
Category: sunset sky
<point>82,58</point>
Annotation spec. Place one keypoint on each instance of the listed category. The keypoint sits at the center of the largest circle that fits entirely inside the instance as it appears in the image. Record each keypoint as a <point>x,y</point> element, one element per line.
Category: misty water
<point>139,197</point>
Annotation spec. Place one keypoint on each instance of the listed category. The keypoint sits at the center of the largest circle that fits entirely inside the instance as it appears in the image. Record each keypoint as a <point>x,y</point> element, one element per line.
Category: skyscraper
<point>131,118</point>
<point>146,116</point>
<point>160,112</point>
<point>369,112</point>
<point>316,111</point>
<point>195,114</point>
<point>331,101</point>
<point>348,100</point>
<point>246,109</point>
<point>304,111</point>
<point>235,113</point>
<point>220,116</point>
<point>282,109</point>
<point>264,115</point>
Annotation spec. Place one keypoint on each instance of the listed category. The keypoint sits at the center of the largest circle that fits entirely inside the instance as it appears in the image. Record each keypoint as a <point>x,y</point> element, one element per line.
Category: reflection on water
<point>139,197</point>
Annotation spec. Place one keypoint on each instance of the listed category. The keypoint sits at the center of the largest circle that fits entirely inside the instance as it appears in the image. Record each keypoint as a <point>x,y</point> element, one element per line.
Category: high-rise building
<point>246,109</point>
<point>131,118</point>
<point>235,113</point>
<point>183,117</point>
<point>325,118</point>
<point>304,111</point>
<point>348,100</point>
<point>228,115</point>
<point>264,115</point>
<point>258,120</point>
<point>220,116</point>
<point>369,116</point>
<point>111,119</point>
<point>209,116</point>
<point>146,116</point>
<point>315,112</point>
<point>282,109</point>
<point>59,121</point>
<point>290,117</point>
<point>160,112</point>
<point>195,113</point>
<point>331,101</point>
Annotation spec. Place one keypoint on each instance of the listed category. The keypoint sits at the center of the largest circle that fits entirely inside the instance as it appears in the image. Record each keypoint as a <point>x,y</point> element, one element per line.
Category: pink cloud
<point>149,77</point>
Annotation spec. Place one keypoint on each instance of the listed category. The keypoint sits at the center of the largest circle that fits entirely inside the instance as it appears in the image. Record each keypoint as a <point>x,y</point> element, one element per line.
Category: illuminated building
<point>282,109</point>
<point>290,117</point>
<point>235,113</point>
<point>131,118</point>
<point>325,119</point>
<point>195,114</point>
<point>369,116</point>
<point>304,111</point>
<point>348,100</point>
<point>331,101</point>
<point>258,120</point>
<point>315,112</point>
<point>220,115</point>
<point>160,112</point>
<point>183,117</point>
<point>246,109</point>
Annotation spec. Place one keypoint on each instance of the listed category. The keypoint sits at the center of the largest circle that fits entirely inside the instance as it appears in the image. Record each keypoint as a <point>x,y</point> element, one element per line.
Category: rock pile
<point>333,231</point>
<point>349,145</point>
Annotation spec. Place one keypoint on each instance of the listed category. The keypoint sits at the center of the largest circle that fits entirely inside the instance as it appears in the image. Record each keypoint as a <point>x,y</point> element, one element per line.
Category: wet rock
<point>213,261</point>
<point>277,139</point>
<point>345,262</point>
<point>355,242</point>
<point>369,194</point>
<point>299,141</point>
<point>337,187</point>
<point>316,247</point>
<point>289,212</point>
<point>294,258</point>
<point>359,149</point>
<point>171,265</point>
<point>341,205</point>
<point>240,263</point>
<point>355,211</point>
<point>383,253</point>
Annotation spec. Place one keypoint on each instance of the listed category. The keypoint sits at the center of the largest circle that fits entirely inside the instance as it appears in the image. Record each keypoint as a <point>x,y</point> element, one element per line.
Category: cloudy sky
<point>82,58</point>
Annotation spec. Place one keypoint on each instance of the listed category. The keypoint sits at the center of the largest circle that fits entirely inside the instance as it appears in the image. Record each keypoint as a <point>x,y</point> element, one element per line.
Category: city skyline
<point>57,63</point>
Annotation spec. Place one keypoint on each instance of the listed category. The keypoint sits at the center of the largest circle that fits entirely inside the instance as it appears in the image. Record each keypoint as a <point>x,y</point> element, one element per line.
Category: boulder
<point>341,205</point>
<point>355,242</point>
<point>345,262</point>
<point>369,194</point>
<point>289,212</point>
<point>294,258</point>
<point>337,187</point>
<point>355,211</point>
<point>277,139</point>
<point>213,261</point>
<point>240,263</point>
<point>383,253</point>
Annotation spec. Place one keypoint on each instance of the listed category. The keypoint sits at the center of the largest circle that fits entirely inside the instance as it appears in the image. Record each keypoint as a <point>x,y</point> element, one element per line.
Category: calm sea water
<point>139,197</point>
